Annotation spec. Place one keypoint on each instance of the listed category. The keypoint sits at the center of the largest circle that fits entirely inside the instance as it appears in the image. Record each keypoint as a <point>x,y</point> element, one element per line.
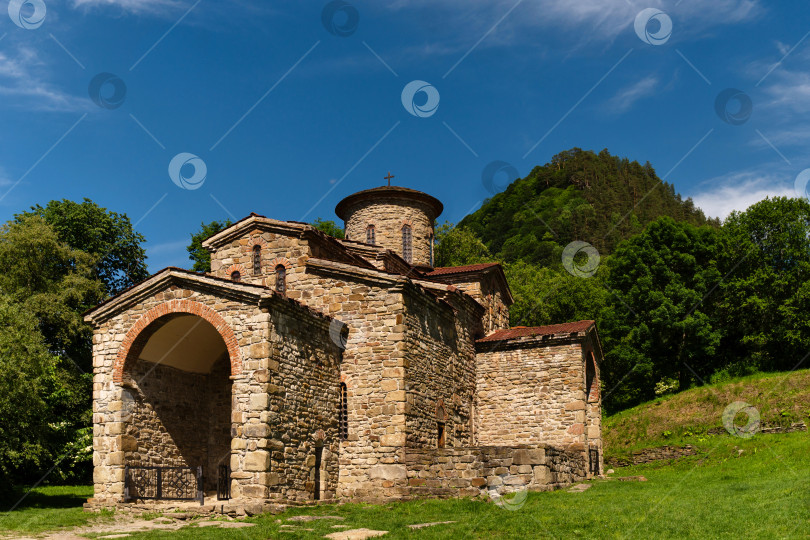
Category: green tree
<point>766,293</point>
<point>52,284</point>
<point>659,324</point>
<point>329,227</point>
<point>107,236</point>
<point>548,296</point>
<point>457,247</point>
<point>196,252</point>
<point>25,364</point>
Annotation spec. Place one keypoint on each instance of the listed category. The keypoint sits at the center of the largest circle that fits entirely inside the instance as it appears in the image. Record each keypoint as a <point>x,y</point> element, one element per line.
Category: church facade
<point>304,367</point>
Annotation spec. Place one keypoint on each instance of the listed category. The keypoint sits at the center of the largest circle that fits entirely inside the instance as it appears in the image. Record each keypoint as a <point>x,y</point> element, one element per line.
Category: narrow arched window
<point>343,413</point>
<point>590,375</point>
<point>430,238</point>
<point>407,241</point>
<point>257,260</point>
<point>236,276</point>
<point>370,236</point>
<point>281,279</point>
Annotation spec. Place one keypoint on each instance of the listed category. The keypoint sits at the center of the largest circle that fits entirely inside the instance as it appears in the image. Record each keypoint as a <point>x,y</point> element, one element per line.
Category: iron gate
<point>224,483</point>
<point>164,483</point>
<point>594,460</point>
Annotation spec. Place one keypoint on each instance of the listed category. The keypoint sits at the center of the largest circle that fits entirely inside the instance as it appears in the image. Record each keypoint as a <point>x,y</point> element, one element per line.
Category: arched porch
<point>176,402</point>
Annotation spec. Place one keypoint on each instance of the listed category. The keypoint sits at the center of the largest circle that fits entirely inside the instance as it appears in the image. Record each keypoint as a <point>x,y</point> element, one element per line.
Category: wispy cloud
<point>628,96</point>
<point>583,20</point>
<point>132,6</point>
<point>739,190</point>
<point>21,84</point>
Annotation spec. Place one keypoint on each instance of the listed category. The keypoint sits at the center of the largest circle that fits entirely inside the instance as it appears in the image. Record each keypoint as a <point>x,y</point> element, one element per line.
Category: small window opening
<point>370,235</point>
<point>343,413</point>
<point>236,276</point>
<point>257,260</point>
<point>440,435</point>
<point>590,375</point>
<point>281,279</point>
<point>407,248</point>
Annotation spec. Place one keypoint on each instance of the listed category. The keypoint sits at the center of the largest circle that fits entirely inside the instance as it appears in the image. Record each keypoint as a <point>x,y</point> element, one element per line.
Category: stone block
<point>258,460</point>
<point>388,472</point>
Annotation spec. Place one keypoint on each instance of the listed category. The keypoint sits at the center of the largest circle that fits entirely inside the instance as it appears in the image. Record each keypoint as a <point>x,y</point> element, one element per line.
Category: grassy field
<point>684,418</point>
<point>733,487</point>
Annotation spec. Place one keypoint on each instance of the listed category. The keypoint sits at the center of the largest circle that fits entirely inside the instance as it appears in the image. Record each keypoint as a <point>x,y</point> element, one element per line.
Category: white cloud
<point>19,79</point>
<point>739,190</point>
<point>584,20</point>
<point>791,91</point>
<point>132,6</point>
<point>627,96</point>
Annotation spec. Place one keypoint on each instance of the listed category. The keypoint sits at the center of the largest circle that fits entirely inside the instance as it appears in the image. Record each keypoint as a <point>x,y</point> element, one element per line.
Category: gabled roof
<point>292,228</point>
<point>460,269</point>
<point>562,330</point>
<point>167,277</point>
<point>467,273</point>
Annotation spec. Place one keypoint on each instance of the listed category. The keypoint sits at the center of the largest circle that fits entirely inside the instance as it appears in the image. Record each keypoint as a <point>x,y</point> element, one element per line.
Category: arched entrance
<point>177,395</point>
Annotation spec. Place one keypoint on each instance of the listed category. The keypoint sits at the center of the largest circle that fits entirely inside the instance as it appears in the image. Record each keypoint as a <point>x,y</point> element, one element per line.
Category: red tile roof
<point>530,331</point>
<point>460,269</point>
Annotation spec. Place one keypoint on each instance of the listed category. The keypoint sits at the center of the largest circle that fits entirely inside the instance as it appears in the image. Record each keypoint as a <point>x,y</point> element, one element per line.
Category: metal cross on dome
<point>389,177</point>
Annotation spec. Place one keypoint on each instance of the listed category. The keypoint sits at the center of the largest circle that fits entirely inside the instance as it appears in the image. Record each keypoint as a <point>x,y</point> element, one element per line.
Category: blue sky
<point>288,117</point>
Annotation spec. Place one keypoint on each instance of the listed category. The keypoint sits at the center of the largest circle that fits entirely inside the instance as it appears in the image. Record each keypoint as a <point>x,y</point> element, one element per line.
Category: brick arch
<point>136,338</point>
<point>236,268</point>
<point>283,261</point>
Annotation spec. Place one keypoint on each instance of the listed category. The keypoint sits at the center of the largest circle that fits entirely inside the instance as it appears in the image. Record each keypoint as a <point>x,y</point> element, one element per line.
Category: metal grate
<point>224,483</point>
<point>257,260</point>
<point>407,248</point>
<point>343,413</point>
<point>163,483</point>
<point>370,235</point>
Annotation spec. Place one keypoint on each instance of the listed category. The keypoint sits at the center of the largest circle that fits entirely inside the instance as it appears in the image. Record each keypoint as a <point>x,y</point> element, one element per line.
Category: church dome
<point>393,217</point>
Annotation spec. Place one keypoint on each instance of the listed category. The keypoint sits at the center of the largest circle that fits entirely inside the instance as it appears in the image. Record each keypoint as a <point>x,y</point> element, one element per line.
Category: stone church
<point>304,367</point>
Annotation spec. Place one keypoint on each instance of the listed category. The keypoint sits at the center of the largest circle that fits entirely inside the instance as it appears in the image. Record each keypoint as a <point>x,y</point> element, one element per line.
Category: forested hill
<point>580,195</point>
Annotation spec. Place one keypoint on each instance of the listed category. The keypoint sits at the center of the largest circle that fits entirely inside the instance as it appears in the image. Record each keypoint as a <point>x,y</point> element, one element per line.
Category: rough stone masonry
<point>305,367</point>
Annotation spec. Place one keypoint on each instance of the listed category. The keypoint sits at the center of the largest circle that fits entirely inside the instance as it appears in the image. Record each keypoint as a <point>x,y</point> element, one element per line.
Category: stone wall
<point>256,348</point>
<point>370,304</point>
<point>303,395</point>
<point>440,373</point>
<point>490,470</point>
<point>486,291</point>
<point>388,215</point>
<point>530,395</point>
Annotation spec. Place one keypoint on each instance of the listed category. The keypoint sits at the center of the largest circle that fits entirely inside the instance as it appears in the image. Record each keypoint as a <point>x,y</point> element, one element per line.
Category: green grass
<point>762,492</point>
<point>684,418</point>
<point>47,508</point>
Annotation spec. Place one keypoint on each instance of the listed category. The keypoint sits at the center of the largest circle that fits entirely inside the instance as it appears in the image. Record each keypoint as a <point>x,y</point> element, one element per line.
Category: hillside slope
<point>580,195</point>
<point>684,418</point>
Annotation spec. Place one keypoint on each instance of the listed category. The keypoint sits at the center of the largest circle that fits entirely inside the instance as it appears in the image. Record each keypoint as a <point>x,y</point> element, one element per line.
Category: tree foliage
<point>196,252</point>
<point>329,227</point>
<point>579,195</point>
<point>45,285</point>
<point>120,259</point>
<point>456,247</point>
